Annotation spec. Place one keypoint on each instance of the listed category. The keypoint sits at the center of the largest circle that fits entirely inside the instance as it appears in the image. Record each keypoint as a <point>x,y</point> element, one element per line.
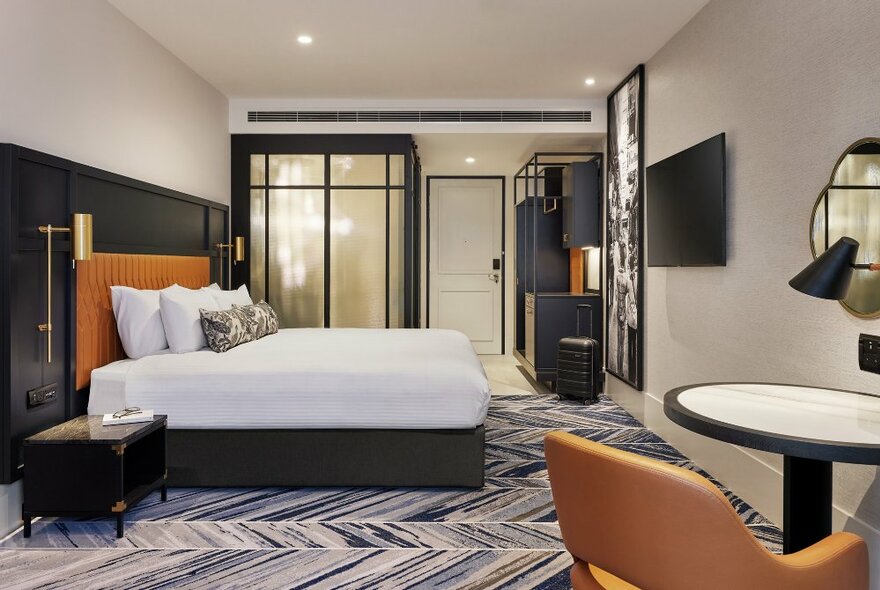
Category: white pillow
<point>226,299</point>
<point>181,318</point>
<point>138,321</point>
<point>214,286</point>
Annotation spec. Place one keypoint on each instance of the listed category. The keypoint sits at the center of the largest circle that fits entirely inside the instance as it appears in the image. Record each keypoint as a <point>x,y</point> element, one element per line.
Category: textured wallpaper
<point>792,83</point>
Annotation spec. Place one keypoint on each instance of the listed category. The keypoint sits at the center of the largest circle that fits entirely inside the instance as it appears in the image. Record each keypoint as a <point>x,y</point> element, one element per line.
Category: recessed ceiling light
<point>590,81</point>
<point>470,160</point>
<point>304,40</point>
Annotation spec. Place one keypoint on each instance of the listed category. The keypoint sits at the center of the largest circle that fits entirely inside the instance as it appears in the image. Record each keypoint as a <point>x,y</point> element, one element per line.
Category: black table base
<point>807,503</point>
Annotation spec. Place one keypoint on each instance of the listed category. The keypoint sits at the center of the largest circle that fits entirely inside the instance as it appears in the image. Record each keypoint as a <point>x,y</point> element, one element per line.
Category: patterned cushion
<point>262,318</point>
<point>226,329</point>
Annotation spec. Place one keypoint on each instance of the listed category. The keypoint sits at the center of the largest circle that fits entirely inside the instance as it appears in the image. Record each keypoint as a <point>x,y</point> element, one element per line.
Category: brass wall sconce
<point>236,255</point>
<point>80,231</point>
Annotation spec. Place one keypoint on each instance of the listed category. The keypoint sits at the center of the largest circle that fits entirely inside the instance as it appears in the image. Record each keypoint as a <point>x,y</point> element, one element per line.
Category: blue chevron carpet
<point>502,536</point>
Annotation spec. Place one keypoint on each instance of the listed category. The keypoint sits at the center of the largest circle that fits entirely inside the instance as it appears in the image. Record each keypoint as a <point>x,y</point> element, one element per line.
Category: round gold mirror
<point>849,205</point>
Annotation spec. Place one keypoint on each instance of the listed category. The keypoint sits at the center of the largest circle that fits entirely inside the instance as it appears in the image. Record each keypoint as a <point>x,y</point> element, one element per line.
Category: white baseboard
<point>10,507</point>
<point>745,472</point>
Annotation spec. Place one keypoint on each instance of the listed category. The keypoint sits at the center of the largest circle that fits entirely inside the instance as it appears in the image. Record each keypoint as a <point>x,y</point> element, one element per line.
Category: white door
<point>465,290</point>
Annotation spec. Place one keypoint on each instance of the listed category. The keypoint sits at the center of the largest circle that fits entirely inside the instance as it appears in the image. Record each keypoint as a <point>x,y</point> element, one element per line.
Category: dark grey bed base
<point>394,458</point>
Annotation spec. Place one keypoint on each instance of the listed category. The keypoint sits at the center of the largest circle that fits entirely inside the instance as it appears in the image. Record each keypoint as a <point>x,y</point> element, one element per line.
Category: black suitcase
<point>578,365</point>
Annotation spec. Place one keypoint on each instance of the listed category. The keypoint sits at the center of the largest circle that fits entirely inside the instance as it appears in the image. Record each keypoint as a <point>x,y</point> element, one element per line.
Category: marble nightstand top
<point>90,430</point>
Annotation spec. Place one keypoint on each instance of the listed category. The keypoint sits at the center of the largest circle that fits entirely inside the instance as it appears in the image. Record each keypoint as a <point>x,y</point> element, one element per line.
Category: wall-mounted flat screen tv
<point>686,208</point>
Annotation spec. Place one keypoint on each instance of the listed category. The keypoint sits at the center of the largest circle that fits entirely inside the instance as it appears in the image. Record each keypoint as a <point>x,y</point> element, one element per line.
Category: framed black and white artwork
<point>624,255</point>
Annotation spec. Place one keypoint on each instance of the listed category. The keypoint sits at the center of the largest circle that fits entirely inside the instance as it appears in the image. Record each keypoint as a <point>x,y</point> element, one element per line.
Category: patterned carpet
<point>502,536</point>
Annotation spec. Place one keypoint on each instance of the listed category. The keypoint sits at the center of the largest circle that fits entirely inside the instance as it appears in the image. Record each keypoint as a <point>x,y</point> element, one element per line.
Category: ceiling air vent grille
<point>420,116</point>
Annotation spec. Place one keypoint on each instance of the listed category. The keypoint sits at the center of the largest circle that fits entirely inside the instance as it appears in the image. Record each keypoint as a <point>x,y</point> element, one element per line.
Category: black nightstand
<point>82,468</point>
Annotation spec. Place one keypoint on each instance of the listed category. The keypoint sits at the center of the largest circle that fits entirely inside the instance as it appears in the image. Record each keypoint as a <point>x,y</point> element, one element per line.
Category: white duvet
<point>308,378</point>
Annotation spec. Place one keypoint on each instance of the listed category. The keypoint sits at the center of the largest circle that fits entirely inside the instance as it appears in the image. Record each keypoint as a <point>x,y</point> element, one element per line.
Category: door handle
<point>493,276</point>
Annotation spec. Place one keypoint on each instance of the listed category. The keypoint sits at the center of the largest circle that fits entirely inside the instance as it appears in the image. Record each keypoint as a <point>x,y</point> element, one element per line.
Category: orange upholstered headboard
<point>97,342</point>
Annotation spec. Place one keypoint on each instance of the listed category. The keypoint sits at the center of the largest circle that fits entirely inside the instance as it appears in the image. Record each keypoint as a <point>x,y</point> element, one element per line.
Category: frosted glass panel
<point>396,176</point>
<point>296,170</point>
<point>258,169</point>
<point>296,257</point>
<point>396,259</point>
<point>359,169</point>
<point>257,250</point>
<point>357,258</point>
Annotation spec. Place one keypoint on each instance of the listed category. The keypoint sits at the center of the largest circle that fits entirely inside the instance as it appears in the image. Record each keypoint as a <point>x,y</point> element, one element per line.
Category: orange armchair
<point>631,522</point>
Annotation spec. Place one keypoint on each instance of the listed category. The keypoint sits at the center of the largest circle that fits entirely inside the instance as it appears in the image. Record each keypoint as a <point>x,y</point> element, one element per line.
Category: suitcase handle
<point>578,312</point>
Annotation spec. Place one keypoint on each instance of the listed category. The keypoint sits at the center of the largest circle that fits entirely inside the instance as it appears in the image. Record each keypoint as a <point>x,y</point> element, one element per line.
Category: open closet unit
<point>557,200</point>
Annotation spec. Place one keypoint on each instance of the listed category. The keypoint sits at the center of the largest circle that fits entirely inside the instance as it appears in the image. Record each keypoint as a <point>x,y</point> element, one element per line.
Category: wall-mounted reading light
<point>829,276</point>
<point>80,231</point>
<point>236,255</point>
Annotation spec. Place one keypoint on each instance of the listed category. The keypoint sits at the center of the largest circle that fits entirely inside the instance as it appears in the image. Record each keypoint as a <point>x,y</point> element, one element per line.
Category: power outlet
<point>45,394</point>
<point>869,353</point>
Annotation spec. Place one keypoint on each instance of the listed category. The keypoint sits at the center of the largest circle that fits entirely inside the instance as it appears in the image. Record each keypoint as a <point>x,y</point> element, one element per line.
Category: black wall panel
<point>217,228</point>
<point>43,195</point>
<point>30,368</point>
<point>141,217</point>
<point>128,216</point>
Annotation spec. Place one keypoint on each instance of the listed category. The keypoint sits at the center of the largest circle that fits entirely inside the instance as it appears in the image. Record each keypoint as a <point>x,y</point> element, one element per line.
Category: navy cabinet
<point>581,219</point>
<point>555,316</point>
<point>541,265</point>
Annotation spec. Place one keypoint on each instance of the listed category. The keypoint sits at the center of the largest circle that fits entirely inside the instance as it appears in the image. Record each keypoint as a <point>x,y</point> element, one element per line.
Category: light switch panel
<point>869,353</point>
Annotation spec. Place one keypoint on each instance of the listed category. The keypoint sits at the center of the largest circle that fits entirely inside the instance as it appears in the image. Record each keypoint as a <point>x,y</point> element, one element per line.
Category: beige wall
<point>79,80</point>
<point>792,83</point>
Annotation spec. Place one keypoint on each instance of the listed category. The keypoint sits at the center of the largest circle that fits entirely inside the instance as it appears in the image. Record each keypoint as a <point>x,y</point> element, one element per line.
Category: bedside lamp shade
<point>829,276</point>
<point>238,249</point>
<point>81,236</point>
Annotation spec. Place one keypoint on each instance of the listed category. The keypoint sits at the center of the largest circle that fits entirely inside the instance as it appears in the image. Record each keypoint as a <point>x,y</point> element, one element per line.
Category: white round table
<point>812,427</point>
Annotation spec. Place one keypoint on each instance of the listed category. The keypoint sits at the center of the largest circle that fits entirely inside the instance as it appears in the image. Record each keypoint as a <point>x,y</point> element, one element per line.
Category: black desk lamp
<point>829,276</point>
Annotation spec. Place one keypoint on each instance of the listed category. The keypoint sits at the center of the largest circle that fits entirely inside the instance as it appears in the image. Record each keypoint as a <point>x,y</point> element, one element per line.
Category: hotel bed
<point>303,407</point>
<point>308,378</point>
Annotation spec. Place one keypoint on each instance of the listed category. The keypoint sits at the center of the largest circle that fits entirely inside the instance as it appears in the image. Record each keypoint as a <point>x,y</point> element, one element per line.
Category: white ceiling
<point>412,49</point>
<point>494,153</point>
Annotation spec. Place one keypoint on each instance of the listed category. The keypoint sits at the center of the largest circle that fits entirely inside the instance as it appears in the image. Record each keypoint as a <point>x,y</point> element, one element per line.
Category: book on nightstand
<point>126,417</point>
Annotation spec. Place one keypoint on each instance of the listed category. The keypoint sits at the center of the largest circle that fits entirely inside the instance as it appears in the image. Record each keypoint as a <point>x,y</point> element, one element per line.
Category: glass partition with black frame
<point>332,228</point>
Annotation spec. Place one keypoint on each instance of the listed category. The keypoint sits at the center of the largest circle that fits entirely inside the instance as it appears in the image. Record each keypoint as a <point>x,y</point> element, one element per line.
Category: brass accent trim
<point>822,195</point>
<point>119,506</point>
<point>234,255</point>
<point>50,229</point>
<point>80,231</point>
<point>119,449</point>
